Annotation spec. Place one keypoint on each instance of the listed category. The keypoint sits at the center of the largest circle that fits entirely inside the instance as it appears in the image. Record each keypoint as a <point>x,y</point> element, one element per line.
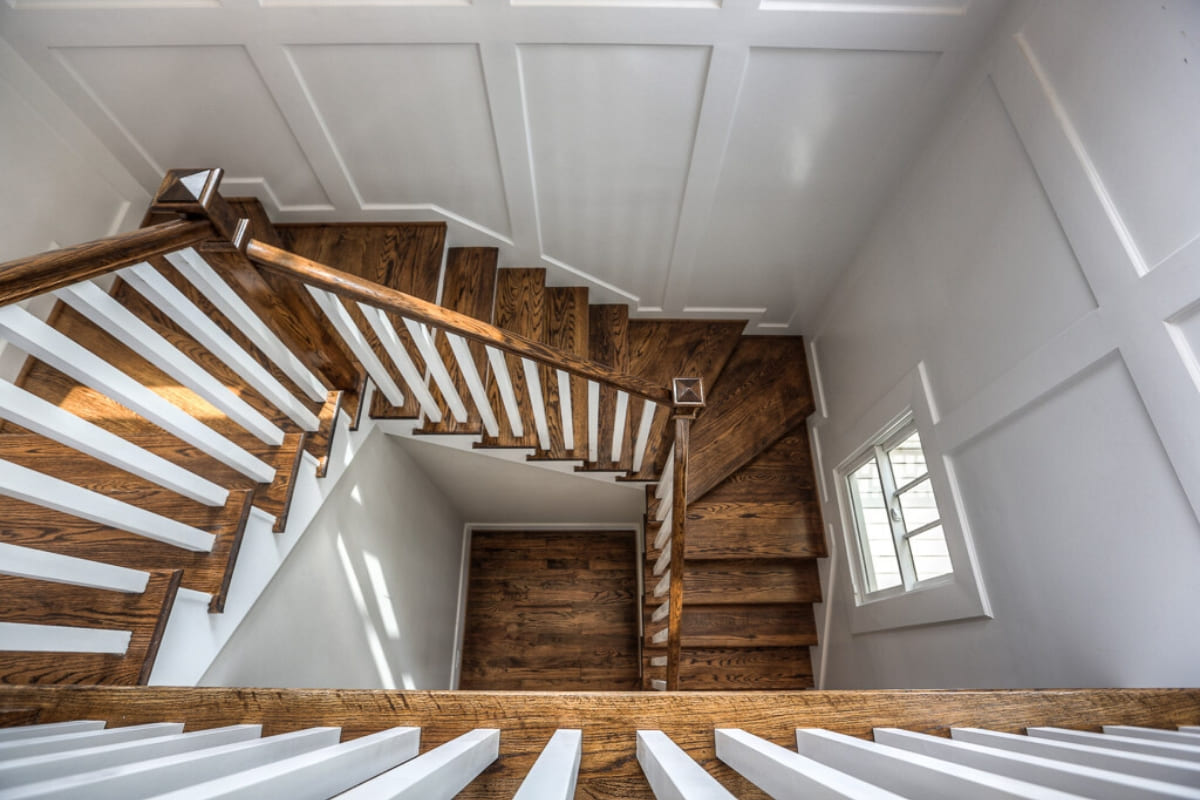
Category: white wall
<point>1041,262</point>
<point>368,598</point>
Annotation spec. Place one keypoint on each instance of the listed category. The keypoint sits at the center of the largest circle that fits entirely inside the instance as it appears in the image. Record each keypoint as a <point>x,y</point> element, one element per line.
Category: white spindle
<point>437,368</point>
<point>672,773</point>
<point>45,343</point>
<point>913,775</point>
<point>30,411</point>
<point>1129,744</point>
<point>1156,734</point>
<point>200,274</point>
<point>786,775</point>
<point>664,532</point>
<point>348,329</point>
<point>440,774</point>
<point>24,637</point>
<point>123,325</point>
<point>661,612</point>
<point>317,774</point>
<point>660,637</point>
<point>33,769</point>
<point>28,562</point>
<point>379,322</point>
<point>34,487</point>
<point>593,410</point>
<point>50,729</point>
<point>1171,770</point>
<point>666,481</point>
<point>566,409</point>
<point>1065,776</point>
<point>658,685</point>
<point>643,434</point>
<point>658,661</point>
<point>664,559</point>
<point>168,773</point>
<point>1192,729</point>
<point>78,741</point>
<point>466,365</point>
<point>618,439</point>
<point>663,584</point>
<point>508,396</point>
<point>152,285</point>
<point>556,770</point>
<point>533,383</point>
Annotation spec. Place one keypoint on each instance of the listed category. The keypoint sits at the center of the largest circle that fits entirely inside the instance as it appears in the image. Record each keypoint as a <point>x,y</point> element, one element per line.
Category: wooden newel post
<point>688,400</point>
<point>195,193</point>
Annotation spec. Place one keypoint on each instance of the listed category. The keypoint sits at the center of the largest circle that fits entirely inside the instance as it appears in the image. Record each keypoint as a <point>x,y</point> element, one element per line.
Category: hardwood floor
<point>551,610</point>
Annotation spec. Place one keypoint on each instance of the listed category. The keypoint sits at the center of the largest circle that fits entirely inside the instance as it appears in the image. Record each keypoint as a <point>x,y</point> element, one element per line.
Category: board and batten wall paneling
<point>1040,265</point>
<point>369,597</point>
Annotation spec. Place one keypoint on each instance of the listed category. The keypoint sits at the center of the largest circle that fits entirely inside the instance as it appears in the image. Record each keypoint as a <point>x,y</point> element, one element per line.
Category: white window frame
<point>954,596</point>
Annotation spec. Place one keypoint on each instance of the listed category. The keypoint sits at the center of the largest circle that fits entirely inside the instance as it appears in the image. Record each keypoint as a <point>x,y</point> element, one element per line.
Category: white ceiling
<point>688,157</point>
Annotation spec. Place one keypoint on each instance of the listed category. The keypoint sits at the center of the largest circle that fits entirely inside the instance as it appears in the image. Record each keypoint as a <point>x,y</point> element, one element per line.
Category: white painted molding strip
<point>348,329</point>
<point>379,322</point>
<point>507,395</point>
<point>152,285</point>
<point>50,729</point>
<point>45,343</point>
<point>593,426</point>
<point>661,612</point>
<point>123,325</point>
<point>671,773</point>
<point>168,773</point>
<point>66,742</point>
<point>440,774</point>
<point>913,775</point>
<point>40,489</point>
<point>786,775</point>
<point>24,637</point>
<point>320,773</point>
<point>1155,734</point>
<point>554,774</point>
<point>619,422</point>
<point>36,769</point>
<point>1171,770</point>
<point>28,562</point>
<point>1129,744</point>
<point>1067,777</point>
<point>663,585</point>
<point>533,382</point>
<point>566,409</point>
<point>643,434</point>
<point>30,411</point>
<point>437,368</point>
<point>466,365</point>
<point>198,272</point>
<point>664,558</point>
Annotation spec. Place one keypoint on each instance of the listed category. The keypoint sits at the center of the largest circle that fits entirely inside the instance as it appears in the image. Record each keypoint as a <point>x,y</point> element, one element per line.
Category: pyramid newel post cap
<point>195,193</point>
<point>688,393</point>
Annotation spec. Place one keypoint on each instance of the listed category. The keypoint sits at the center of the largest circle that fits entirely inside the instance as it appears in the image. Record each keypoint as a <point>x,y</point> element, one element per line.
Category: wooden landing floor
<point>551,610</point>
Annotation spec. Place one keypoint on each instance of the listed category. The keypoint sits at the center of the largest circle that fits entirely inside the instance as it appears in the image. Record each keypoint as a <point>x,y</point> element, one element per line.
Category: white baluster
<point>379,322</point>
<point>22,637</point>
<point>27,562</point>
<point>671,772</point>
<point>346,327</point>
<point>437,368</point>
<point>507,395</point>
<point>618,440</point>
<point>593,409</point>
<point>643,434</point>
<point>466,365</point>
<point>533,382</point>
<point>440,774</point>
<point>1127,743</point>
<point>554,774</point>
<point>77,741</point>
<point>50,729</point>
<point>566,410</point>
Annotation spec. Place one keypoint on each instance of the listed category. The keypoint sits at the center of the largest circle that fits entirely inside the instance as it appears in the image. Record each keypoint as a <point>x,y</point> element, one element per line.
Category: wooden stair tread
<point>735,669</point>
<point>745,625</point>
<point>608,344</point>
<point>763,394</point>
<point>469,288</point>
<point>751,581</point>
<point>520,309</point>
<point>567,329</point>
<point>44,603</point>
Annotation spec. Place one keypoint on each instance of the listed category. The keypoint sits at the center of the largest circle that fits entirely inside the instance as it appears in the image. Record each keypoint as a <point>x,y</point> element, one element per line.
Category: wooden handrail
<point>352,287</point>
<point>28,277</point>
<point>678,543</point>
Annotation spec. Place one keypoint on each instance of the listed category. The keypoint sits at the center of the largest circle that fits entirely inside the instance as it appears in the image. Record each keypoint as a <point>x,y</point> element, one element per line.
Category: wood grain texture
<point>675,594</point>
<point>608,344</point>
<point>343,284</point>
<point>788,625</point>
<point>567,329</point>
<point>319,443</point>
<point>520,309</point>
<point>609,721</point>
<point>551,610</point>
<point>745,668</point>
<point>44,603</point>
<point>751,581</point>
<point>763,394</point>
<point>469,288</point>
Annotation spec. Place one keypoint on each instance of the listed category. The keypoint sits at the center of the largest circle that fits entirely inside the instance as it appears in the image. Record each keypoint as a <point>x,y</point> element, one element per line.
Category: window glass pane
<point>919,506</point>
<point>908,460</point>
<point>879,548</point>
<point>929,553</point>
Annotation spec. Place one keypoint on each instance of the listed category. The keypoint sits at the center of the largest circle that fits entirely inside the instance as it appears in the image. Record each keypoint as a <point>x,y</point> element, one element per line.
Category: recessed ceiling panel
<point>611,131</point>
<point>172,118</point>
<point>1140,130</point>
<point>411,124</point>
<point>817,141</point>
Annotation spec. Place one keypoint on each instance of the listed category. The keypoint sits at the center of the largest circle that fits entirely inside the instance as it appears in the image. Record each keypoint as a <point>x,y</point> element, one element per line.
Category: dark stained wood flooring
<point>551,610</point>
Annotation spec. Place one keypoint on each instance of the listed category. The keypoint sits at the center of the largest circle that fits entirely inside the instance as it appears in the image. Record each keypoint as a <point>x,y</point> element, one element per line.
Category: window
<point>896,517</point>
